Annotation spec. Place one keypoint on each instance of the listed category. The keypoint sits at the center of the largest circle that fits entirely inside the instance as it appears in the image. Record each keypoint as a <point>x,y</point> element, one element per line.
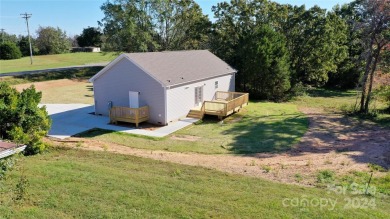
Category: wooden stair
<point>196,114</point>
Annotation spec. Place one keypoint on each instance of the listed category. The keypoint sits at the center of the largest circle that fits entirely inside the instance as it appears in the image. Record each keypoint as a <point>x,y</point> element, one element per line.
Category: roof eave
<point>201,79</point>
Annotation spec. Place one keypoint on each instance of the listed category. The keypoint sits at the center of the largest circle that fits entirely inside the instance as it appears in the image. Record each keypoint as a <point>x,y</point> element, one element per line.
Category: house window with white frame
<point>216,84</point>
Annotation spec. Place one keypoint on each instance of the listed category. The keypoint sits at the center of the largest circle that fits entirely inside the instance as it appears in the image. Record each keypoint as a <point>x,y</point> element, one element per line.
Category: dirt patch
<point>185,137</point>
<point>333,142</point>
<point>44,85</point>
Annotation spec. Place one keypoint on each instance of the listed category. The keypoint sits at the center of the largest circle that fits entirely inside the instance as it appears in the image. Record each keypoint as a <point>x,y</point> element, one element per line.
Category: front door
<point>198,95</point>
<point>133,99</point>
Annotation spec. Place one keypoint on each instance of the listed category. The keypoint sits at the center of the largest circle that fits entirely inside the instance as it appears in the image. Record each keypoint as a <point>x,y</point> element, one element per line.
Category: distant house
<point>169,84</point>
<point>8,149</point>
<point>85,49</point>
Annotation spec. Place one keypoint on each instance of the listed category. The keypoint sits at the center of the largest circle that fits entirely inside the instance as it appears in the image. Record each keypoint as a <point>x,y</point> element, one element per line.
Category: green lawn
<point>66,183</point>
<point>54,61</point>
<point>341,102</point>
<point>259,127</point>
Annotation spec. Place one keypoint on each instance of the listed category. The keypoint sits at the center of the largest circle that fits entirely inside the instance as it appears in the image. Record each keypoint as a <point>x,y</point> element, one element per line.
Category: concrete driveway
<point>71,119</point>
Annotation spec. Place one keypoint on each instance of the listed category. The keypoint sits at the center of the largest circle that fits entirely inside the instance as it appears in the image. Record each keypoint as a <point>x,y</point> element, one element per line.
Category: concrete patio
<point>71,119</point>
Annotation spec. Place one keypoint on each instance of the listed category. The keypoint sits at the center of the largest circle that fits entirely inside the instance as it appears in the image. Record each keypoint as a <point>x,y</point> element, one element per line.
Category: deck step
<point>196,114</point>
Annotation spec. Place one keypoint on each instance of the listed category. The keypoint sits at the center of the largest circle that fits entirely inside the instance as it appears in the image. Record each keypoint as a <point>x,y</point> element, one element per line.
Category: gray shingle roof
<point>177,67</point>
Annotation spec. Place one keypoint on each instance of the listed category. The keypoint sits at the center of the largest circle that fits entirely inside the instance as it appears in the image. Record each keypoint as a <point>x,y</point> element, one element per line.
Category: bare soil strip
<point>44,85</point>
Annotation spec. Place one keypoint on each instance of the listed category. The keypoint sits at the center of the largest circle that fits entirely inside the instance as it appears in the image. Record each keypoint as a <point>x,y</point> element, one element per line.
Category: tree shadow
<point>268,136</point>
<point>81,73</point>
<point>271,134</point>
<point>320,92</point>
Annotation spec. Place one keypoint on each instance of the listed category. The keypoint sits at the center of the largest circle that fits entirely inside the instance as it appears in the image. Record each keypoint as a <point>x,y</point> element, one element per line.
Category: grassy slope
<point>54,61</point>
<point>260,127</point>
<point>82,184</point>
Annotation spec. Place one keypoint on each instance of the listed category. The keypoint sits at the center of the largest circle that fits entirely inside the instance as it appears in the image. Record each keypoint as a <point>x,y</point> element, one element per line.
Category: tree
<point>52,40</point>
<point>246,36</point>
<point>25,46</point>
<point>6,37</point>
<point>264,63</point>
<point>21,120</point>
<point>351,68</point>
<point>373,24</point>
<point>127,26</point>
<point>153,25</point>
<point>180,24</point>
<point>90,36</point>
<point>9,50</point>
<point>316,43</point>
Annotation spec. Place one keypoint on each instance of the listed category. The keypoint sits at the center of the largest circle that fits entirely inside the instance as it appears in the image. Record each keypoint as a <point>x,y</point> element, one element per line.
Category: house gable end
<point>117,60</point>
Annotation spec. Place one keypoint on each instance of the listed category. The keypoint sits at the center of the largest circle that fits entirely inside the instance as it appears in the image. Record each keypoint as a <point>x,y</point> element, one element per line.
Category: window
<point>216,84</point>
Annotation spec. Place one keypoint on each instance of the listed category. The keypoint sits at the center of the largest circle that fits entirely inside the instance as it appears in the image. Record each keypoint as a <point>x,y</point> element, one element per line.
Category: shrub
<point>6,164</point>
<point>325,176</point>
<point>9,50</point>
<point>21,120</point>
<point>383,93</point>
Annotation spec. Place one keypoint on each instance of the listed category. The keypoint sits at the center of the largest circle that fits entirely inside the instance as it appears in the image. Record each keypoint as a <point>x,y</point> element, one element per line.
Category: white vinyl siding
<point>181,99</point>
<point>116,83</point>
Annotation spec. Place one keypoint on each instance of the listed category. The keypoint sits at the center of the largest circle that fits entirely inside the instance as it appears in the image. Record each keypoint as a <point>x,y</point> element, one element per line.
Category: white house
<point>169,83</point>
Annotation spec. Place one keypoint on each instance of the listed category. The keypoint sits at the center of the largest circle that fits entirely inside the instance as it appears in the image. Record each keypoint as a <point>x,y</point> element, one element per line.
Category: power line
<point>27,16</point>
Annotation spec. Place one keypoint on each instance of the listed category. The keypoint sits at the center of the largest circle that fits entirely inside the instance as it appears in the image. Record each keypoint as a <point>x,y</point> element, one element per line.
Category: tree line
<point>278,49</point>
<point>48,40</point>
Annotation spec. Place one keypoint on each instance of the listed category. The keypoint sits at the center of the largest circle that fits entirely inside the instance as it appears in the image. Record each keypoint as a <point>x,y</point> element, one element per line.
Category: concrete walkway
<point>71,119</point>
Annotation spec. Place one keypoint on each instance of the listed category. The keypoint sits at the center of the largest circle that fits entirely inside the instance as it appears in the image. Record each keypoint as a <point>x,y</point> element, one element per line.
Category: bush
<point>9,50</point>
<point>325,176</point>
<point>383,93</point>
<point>21,120</point>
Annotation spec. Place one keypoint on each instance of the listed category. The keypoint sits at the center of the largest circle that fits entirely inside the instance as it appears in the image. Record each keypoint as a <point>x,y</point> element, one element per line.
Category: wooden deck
<point>131,115</point>
<point>222,105</point>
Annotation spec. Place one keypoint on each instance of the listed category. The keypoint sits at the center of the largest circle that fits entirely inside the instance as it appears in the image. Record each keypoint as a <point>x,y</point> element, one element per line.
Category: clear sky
<point>74,15</point>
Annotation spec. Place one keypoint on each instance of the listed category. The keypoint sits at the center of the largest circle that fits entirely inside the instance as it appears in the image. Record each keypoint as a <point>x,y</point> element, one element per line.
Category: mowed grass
<point>333,100</point>
<point>67,183</point>
<point>338,101</point>
<point>60,87</point>
<point>259,127</point>
<point>55,61</point>
<point>79,92</point>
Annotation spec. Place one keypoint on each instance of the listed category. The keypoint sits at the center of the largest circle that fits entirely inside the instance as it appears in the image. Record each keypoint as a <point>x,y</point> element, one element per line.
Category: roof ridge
<point>168,51</point>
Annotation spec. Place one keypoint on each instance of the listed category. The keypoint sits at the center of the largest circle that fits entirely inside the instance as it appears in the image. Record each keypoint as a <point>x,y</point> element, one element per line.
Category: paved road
<point>102,64</point>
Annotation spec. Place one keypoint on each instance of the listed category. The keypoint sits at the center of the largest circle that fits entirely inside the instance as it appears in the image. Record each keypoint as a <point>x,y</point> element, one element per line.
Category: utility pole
<point>27,16</point>
<point>2,35</point>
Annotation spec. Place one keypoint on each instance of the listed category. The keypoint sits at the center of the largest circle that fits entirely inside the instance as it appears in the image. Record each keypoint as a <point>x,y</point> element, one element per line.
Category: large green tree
<point>316,43</point>
<point>52,40</point>
<point>24,45</point>
<point>264,63</point>
<point>7,37</point>
<point>21,120</point>
<point>246,36</point>
<point>351,68</point>
<point>9,50</point>
<point>153,25</point>
<point>90,36</point>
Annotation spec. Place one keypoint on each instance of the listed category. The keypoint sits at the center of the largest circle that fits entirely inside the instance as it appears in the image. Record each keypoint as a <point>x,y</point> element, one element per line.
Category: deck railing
<point>126,114</point>
<point>225,103</point>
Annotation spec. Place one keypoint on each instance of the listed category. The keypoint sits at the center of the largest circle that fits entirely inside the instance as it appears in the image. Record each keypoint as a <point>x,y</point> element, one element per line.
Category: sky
<point>75,15</point>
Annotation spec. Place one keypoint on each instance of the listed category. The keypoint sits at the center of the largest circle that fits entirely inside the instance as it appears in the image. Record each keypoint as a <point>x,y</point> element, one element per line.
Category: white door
<point>198,95</point>
<point>133,99</point>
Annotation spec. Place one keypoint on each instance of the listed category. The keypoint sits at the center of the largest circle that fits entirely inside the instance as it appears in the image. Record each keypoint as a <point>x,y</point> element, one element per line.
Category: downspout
<point>166,104</point>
